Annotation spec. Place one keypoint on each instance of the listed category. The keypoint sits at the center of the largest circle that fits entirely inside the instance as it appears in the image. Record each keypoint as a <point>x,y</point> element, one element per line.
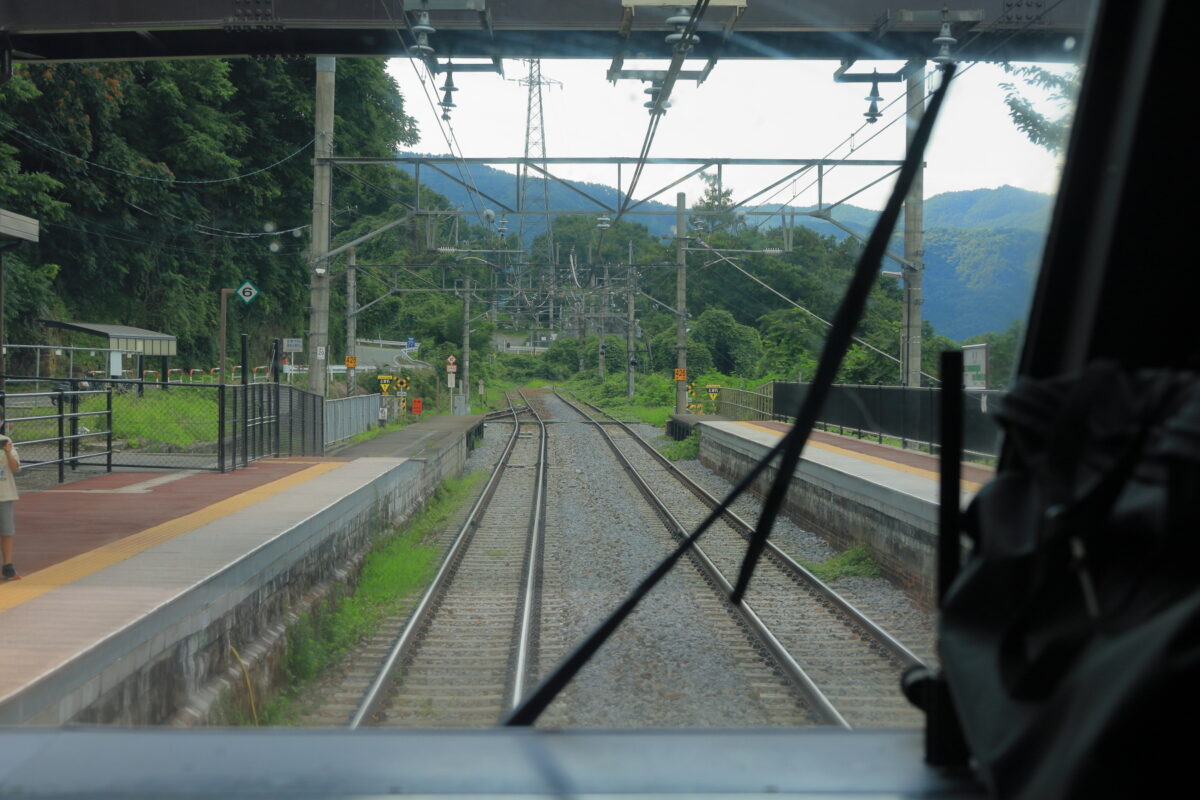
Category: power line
<point>451,139</point>
<point>175,181</point>
<point>793,303</point>
<point>658,103</point>
<point>957,76</point>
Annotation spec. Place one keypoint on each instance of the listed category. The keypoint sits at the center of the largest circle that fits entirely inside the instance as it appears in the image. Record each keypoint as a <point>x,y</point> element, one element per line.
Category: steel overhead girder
<point>84,30</point>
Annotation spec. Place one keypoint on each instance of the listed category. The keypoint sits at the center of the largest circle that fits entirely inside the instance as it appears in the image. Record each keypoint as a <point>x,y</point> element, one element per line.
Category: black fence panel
<point>106,423</point>
<point>153,425</point>
<point>302,422</point>
<point>906,414</point>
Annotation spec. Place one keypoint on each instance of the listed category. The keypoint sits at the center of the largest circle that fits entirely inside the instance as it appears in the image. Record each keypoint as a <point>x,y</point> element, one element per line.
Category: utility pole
<point>318,333</point>
<point>630,329</point>
<point>681,300</point>
<point>580,311</point>
<point>351,318</point>
<point>466,347</point>
<point>914,234</point>
<point>603,325</point>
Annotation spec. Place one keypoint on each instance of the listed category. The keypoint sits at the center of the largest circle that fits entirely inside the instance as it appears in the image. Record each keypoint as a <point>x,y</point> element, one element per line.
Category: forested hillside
<point>981,247</point>
<point>157,184</point>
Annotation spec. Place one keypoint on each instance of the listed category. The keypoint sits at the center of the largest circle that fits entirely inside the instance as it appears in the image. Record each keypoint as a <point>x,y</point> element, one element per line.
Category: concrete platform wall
<point>899,530</point>
<point>177,665</point>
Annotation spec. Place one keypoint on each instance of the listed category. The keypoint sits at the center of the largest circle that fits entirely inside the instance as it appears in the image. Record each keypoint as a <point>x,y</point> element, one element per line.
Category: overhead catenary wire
<point>658,108</point>
<point>722,257</point>
<point>450,138</point>
<point>958,75</point>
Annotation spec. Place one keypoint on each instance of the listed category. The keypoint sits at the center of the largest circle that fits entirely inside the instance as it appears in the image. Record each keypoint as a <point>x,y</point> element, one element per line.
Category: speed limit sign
<point>247,291</point>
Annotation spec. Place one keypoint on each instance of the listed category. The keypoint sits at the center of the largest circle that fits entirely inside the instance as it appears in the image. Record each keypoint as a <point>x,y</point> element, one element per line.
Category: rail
<point>789,666</point>
<point>533,564</point>
<point>884,639</point>
<point>376,696</point>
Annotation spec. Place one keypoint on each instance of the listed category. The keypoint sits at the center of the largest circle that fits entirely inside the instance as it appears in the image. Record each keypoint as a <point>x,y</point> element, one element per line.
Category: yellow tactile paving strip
<point>35,584</point>
<point>882,462</point>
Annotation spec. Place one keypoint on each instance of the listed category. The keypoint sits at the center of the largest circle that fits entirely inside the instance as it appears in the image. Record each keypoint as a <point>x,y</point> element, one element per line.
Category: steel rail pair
<point>855,618</point>
<point>375,699</point>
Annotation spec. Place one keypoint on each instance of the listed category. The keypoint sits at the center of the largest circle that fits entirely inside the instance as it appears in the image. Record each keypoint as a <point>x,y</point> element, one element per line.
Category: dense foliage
<point>158,183</point>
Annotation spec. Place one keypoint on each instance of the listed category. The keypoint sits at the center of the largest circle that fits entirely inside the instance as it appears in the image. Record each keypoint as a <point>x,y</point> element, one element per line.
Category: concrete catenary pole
<point>351,318</point>
<point>466,347</point>
<point>318,325</point>
<point>603,325</point>
<point>681,300</point>
<point>914,234</point>
<point>630,331</point>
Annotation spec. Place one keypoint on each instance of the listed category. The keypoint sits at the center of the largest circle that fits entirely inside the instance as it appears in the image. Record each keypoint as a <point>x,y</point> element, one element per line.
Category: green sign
<point>247,291</point>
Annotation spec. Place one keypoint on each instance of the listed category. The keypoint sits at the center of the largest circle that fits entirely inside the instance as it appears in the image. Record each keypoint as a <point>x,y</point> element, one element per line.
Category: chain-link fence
<point>350,416</point>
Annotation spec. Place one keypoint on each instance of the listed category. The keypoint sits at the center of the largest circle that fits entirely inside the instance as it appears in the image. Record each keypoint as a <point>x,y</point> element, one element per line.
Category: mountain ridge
<point>982,246</point>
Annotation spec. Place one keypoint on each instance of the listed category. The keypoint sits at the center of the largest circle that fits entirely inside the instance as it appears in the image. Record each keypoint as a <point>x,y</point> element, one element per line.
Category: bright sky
<point>782,109</point>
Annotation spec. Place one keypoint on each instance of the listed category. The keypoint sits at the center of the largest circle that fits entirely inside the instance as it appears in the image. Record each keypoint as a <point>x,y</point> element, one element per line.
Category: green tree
<point>158,183</point>
<point>735,349</point>
<point>718,201</point>
<point>1042,129</point>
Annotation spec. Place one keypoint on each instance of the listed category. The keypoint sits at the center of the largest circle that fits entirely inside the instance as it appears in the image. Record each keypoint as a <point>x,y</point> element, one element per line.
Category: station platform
<point>853,491</point>
<point>138,588</point>
<point>910,470</point>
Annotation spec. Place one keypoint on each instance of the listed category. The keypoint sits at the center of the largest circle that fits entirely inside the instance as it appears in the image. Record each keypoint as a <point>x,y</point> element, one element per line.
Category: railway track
<point>847,665</point>
<point>465,652</point>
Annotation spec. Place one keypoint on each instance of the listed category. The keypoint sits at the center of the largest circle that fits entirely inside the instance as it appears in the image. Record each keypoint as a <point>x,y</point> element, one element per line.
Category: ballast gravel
<point>674,662</point>
<point>878,598</point>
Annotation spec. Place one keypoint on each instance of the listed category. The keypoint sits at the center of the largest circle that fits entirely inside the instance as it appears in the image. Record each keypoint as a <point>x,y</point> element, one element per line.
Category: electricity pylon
<point>535,147</point>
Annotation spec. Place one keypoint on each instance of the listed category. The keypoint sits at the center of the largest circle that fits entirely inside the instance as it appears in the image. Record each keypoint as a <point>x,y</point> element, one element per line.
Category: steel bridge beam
<point>85,30</point>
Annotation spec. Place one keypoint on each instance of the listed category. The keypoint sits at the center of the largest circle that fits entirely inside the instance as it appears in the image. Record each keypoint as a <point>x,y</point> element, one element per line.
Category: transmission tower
<point>535,148</point>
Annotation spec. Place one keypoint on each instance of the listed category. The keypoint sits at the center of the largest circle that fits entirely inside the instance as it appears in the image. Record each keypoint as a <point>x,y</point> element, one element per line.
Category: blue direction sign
<point>412,342</point>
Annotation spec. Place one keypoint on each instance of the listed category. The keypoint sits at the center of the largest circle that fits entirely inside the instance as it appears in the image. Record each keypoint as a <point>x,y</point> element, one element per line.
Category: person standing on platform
<point>10,465</point>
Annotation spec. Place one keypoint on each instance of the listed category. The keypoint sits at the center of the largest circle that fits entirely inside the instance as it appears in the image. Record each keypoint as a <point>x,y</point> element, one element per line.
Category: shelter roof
<point>122,337</point>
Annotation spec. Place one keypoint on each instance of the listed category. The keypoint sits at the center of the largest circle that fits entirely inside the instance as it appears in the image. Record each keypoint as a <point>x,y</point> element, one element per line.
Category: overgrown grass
<point>855,562</point>
<point>684,450</point>
<point>400,565</point>
<point>179,418</point>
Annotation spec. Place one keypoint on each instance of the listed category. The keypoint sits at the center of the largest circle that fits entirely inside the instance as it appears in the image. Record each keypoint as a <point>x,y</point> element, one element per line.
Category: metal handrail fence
<point>906,414</point>
<point>178,426</point>
<point>184,426</point>
<point>301,422</point>
<point>55,438</point>
<point>744,405</point>
<point>350,416</point>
